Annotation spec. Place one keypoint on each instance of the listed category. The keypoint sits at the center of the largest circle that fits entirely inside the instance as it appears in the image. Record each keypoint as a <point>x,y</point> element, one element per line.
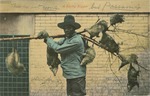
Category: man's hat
<point>69,20</point>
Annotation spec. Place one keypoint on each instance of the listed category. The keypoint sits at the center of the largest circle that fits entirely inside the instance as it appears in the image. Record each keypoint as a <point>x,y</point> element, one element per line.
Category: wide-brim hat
<point>69,20</point>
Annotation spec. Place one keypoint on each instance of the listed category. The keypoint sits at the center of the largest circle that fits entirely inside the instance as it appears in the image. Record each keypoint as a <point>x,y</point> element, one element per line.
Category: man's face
<point>69,30</point>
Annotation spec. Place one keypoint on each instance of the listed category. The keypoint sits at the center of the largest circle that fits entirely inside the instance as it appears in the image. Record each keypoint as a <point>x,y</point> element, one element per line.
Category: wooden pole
<point>33,37</point>
<point>16,38</point>
<point>29,38</point>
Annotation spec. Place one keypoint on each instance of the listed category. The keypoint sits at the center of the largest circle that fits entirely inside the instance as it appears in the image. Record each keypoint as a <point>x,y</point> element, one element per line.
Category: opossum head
<point>21,68</point>
<point>131,85</point>
<point>54,70</point>
<point>86,60</point>
<point>18,70</point>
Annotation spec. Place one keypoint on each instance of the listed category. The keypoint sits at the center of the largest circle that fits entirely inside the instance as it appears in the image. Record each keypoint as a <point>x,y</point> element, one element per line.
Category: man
<point>71,49</point>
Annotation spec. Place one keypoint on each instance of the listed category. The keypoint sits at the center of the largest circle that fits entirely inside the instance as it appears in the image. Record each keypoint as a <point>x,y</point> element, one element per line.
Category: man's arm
<point>71,46</point>
<point>61,41</point>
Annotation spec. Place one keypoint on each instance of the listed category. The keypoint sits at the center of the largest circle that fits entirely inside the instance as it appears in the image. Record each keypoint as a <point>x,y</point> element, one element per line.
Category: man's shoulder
<point>77,37</point>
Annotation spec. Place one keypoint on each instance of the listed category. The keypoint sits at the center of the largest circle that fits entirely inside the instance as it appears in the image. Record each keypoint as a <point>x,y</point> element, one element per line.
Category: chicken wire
<point>14,85</point>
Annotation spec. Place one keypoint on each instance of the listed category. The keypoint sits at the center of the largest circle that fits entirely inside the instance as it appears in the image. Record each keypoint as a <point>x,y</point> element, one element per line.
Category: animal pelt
<point>132,78</point>
<point>117,18</point>
<point>109,43</point>
<point>89,56</point>
<point>94,30</point>
<point>52,60</point>
<point>13,64</point>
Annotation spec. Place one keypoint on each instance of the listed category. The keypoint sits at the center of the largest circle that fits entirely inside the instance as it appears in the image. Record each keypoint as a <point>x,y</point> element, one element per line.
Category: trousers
<point>76,87</point>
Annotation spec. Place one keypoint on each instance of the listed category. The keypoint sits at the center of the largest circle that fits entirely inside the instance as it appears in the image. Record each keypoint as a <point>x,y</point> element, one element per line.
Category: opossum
<point>13,64</point>
<point>89,56</point>
<point>94,30</point>
<point>52,60</point>
<point>114,19</point>
<point>132,78</point>
<point>109,43</point>
<point>131,59</point>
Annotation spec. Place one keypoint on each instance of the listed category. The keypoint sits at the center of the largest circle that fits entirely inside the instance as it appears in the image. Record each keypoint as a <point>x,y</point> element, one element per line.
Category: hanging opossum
<point>132,58</point>
<point>109,43</point>
<point>117,18</point>
<point>95,29</point>
<point>13,64</point>
<point>89,56</point>
<point>52,60</point>
<point>132,78</point>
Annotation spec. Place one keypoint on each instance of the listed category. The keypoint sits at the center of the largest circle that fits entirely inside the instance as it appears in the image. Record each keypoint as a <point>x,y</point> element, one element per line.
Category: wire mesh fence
<point>11,85</point>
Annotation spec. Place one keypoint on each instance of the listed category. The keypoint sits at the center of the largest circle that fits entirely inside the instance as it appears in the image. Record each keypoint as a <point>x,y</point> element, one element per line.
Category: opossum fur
<point>52,60</point>
<point>132,78</point>
<point>89,56</point>
<point>13,64</point>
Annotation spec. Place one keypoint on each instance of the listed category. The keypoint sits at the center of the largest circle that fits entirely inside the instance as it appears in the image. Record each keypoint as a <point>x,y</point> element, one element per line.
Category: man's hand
<point>42,35</point>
